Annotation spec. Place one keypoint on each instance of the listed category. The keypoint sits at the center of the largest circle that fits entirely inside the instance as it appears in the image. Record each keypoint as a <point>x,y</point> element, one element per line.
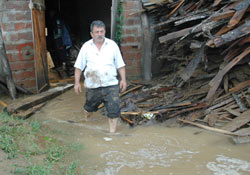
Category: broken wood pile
<point>205,45</point>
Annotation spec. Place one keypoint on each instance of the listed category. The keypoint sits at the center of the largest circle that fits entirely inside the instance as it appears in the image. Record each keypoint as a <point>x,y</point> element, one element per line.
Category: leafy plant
<point>119,24</point>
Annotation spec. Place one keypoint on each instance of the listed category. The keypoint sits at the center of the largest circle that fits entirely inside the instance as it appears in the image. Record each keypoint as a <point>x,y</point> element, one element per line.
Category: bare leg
<point>87,114</point>
<point>112,125</point>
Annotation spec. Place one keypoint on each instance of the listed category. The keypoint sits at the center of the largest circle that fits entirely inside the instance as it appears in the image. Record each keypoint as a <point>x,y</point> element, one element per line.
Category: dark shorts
<point>107,95</point>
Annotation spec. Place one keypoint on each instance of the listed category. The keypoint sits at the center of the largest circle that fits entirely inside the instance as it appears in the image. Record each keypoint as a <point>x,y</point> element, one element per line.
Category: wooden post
<point>114,17</point>
<point>147,47</point>
<point>6,67</point>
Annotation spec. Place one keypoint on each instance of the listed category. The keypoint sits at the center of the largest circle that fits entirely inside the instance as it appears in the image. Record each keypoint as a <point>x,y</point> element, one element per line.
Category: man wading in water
<point>100,58</point>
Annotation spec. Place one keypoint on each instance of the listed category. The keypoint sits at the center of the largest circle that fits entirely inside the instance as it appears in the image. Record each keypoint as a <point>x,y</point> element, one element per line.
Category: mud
<point>149,150</point>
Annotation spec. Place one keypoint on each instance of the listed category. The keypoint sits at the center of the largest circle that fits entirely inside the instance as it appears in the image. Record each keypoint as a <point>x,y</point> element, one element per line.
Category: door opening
<point>77,16</point>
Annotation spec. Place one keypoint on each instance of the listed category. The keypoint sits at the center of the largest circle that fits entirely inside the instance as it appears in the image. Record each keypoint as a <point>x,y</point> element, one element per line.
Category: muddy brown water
<point>148,150</point>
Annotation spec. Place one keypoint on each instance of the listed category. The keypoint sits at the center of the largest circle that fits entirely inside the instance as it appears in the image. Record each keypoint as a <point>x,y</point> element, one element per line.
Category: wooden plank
<point>147,47</point>
<point>34,100</point>
<point>2,103</point>
<point>209,128</point>
<point>239,32</point>
<point>240,86</point>
<point>233,21</point>
<point>237,122</point>
<point>215,82</point>
<point>27,113</point>
<point>178,34</point>
<point>239,102</point>
<point>5,70</point>
<point>240,140</point>
<point>244,131</point>
<point>216,2</point>
<point>189,70</point>
<point>237,16</point>
<point>175,9</point>
<point>42,81</point>
<point>233,112</point>
<point>222,15</point>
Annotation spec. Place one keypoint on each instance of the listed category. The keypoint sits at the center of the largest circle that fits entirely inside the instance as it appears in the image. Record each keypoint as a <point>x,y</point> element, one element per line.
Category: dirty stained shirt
<point>100,66</point>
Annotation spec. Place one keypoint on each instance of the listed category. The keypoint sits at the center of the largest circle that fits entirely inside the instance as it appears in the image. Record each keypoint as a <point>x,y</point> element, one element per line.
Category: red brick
<point>133,71</point>
<point>130,31</point>
<point>23,16</point>
<point>128,39</point>
<point>27,83</point>
<point>9,16</point>
<point>25,36</point>
<point>132,21</point>
<point>13,37</point>
<point>130,13</point>
<point>131,55</point>
<point>131,5</point>
<point>13,57</point>
<point>128,62</point>
<point>19,26</point>
<point>22,65</point>
<point>17,5</point>
<point>28,25</point>
<point>10,47</point>
<point>21,75</point>
<point>129,49</point>
<point>8,27</point>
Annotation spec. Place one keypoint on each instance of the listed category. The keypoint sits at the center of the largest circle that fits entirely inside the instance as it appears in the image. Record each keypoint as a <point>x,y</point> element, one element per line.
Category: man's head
<point>97,31</point>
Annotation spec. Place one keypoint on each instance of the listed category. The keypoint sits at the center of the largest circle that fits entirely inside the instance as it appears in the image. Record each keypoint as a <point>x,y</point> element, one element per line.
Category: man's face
<point>98,34</point>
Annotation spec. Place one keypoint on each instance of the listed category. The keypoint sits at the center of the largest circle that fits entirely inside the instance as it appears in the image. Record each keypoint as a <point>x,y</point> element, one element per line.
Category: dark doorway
<point>78,15</point>
<point>68,26</point>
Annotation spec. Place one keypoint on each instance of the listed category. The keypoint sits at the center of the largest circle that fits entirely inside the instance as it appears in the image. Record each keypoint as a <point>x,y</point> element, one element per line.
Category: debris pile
<point>205,45</point>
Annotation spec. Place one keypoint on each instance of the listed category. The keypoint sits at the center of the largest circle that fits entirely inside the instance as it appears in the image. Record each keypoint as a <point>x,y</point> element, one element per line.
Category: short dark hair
<point>96,23</point>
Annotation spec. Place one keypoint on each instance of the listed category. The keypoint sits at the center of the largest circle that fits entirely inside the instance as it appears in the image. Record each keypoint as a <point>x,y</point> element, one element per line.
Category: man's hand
<point>123,85</point>
<point>77,88</point>
<point>123,82</point>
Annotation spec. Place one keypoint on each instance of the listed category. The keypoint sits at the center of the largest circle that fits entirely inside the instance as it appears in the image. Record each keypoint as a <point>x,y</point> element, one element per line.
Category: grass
<point>43,153</point>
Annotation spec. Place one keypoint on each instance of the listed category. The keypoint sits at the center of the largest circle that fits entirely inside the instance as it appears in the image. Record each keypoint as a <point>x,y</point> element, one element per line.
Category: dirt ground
<point>154,149</point>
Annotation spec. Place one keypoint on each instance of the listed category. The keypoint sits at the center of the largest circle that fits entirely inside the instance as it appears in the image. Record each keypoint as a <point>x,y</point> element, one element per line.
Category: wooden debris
<point>34,100</point>
<point>239,102</point>
<point>210,128</point>
<point>204,48</point>
<point>2,103</point>
<point>238,122</point>
<point>215,82</point>
<point>27,113</point>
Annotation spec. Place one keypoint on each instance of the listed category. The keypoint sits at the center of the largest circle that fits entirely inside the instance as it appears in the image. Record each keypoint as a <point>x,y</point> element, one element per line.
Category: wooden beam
<point>178,34</point>
<point>210,128</point>
<point>237,122</point>
<point>6,71</point>
<point>239,32</point>
<point>222,15</point>
<point>34,100</point>
<point>215,82</point>
<point>175,9</point>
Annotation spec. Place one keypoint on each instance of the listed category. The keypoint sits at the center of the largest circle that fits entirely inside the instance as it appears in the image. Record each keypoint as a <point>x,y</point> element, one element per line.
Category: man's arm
<point>123,82</point>
<point>77,86</point>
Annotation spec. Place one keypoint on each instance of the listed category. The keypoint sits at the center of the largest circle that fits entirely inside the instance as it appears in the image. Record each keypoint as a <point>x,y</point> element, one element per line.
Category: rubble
<point>205,47</point>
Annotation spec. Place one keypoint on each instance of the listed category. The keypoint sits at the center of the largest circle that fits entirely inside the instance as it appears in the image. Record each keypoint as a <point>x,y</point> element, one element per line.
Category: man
<point>100,58</point>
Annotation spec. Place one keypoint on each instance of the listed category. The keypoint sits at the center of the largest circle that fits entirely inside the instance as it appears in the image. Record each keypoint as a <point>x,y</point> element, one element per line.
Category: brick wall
<point>132,38</point>
<point>18,38</point>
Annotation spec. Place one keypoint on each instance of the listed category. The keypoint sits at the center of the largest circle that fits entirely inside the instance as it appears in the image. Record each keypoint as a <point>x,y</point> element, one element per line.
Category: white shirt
<point>100,66</point>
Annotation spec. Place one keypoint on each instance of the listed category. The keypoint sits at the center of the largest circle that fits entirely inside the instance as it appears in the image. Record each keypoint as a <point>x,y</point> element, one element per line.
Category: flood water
<point>144,150</point>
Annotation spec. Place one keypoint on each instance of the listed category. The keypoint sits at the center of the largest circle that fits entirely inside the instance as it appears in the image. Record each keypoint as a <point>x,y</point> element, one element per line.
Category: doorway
<point>76,17</point>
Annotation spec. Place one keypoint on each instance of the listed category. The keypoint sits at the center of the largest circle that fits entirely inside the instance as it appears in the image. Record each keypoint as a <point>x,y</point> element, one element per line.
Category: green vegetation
<point>119,24</point>
<point>40,151</point>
